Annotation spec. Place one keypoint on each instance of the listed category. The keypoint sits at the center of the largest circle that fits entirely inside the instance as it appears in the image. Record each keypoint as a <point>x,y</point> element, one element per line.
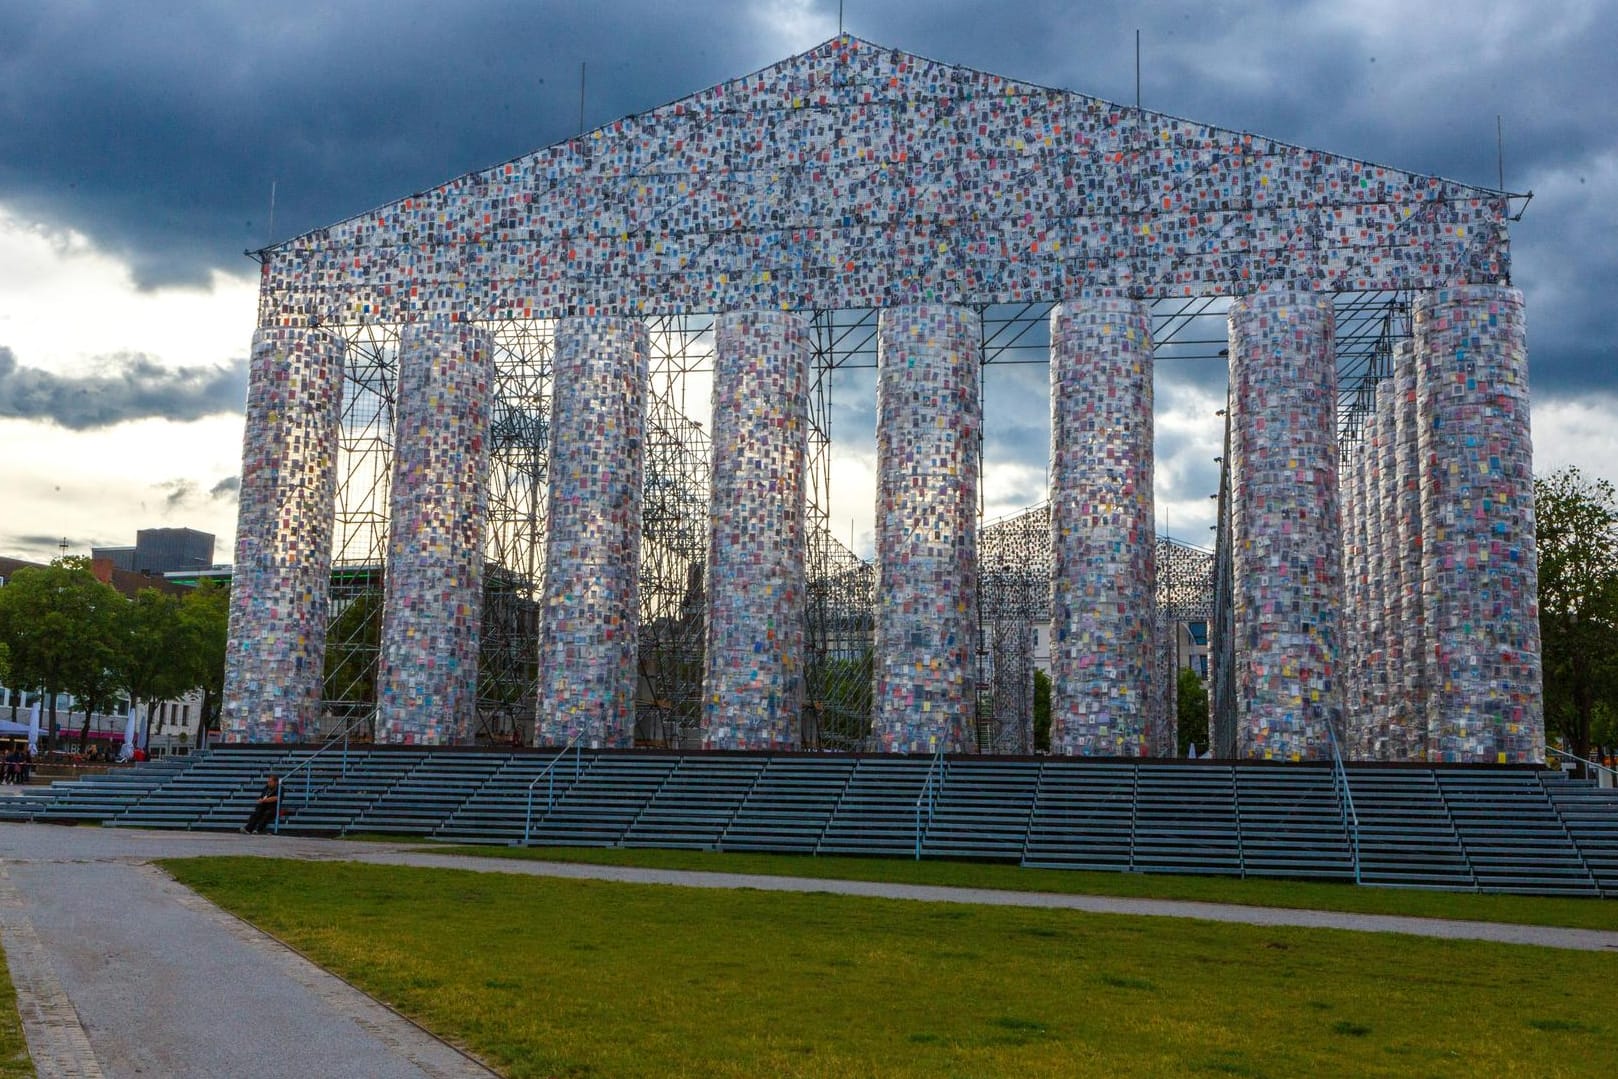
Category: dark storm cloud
<point>32,540</point>
<point>130,386</point>
<point>227,488</point>
<point>158,135</point>
<point>177,493</point>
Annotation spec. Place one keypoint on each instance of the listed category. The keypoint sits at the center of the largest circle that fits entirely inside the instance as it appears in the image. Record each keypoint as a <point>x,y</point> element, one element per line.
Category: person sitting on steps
<point>269,800</point>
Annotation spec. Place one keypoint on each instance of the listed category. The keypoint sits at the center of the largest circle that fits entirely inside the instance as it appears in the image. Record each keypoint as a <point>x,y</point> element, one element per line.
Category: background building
<point>161,550</point>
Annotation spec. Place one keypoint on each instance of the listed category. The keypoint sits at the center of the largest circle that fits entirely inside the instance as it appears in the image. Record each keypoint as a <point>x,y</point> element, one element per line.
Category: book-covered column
<point>929,418</point>
<point>590,610</point>
<point>1480,592</point>
<point>753,689</point>
<point>1284,521</point>
<point>1390,680</point>
<point>281,583</point>
<point>1373,660</point>
<point>427,673</point>
<point>1356,616</point>
<point>1103,551</point>
<point>1408,680</point>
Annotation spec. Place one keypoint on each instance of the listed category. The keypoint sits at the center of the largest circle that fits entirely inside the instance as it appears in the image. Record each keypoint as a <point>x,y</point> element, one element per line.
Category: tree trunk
<point>52,693</point>
<point>209,718</point>
<point>1584,703</point>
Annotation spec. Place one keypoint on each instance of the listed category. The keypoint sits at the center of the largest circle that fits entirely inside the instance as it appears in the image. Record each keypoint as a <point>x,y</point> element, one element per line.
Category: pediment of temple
<point>857,175</point>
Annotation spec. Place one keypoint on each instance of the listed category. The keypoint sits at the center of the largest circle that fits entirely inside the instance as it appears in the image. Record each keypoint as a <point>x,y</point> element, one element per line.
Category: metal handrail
<point>548,773</point>
<point>1597,765</point>
<point>1345,800</point>
<point>929,794</point>
<point>308,772</point>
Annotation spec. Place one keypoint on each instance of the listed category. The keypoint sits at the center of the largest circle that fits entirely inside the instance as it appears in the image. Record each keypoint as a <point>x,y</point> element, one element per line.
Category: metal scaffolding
<point>1014,557</point>
<point>1014,554</point>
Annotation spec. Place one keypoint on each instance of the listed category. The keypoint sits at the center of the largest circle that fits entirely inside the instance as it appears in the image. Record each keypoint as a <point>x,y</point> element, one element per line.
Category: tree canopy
<point>55,621</point>
<point>206,613</point>
<point>1191,705</point>
<point>1578,606</point>
<point>64,631</point>
<point>151,654</point>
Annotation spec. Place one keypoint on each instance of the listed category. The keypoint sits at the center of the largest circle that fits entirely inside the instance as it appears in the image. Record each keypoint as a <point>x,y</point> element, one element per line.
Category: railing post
<point>548,773</point>
<point>929,795</point>
<point>1345,801</point>
<point>309,770</point>
<point>1592,769</point>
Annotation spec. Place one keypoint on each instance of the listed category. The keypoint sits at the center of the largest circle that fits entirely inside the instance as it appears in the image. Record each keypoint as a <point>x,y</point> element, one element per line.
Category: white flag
<point>129,735</point>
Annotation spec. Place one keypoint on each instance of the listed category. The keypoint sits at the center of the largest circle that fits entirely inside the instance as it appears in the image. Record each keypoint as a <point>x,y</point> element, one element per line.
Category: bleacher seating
<point>1451,827</point>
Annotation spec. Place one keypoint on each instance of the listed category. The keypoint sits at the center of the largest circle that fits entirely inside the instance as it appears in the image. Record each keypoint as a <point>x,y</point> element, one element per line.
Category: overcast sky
<point>139,143</point>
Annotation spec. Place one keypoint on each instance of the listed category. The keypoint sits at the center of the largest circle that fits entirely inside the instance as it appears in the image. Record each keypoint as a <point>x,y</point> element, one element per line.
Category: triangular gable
<point>856,175</point>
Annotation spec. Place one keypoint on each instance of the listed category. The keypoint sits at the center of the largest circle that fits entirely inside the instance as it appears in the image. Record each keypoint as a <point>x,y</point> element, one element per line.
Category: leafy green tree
<point>96,689</point>
<point>353,647</point>
<point>152,650</point>
<point>1193,710</point>
<point>842,690</point>
<point>1578,602</point>
<point>1042,711</point>
<point>53,621</point>
<point>205,611</point>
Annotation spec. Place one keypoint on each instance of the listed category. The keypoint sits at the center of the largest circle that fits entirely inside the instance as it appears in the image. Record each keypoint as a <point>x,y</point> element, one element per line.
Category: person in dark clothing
<point>269,800</point>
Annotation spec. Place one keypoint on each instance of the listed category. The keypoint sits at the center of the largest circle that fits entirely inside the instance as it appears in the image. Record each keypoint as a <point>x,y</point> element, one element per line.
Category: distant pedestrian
<point>269,800</point>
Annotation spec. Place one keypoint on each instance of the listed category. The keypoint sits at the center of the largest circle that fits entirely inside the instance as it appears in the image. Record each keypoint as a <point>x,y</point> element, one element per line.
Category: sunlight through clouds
<point>91,348</point>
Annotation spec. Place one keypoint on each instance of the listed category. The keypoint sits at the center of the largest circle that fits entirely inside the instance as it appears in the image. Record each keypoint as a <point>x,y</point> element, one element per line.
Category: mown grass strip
<point>558,977</point>
<point>14,1059</point>
<point>1297,895</point>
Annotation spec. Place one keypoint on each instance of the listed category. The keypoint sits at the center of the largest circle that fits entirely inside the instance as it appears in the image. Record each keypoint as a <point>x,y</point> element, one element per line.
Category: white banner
<point>130,726</point>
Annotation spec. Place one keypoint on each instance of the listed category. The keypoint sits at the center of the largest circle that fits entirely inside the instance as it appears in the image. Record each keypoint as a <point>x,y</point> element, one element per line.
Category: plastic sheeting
<point>427,678</point>
<point>275,659</point>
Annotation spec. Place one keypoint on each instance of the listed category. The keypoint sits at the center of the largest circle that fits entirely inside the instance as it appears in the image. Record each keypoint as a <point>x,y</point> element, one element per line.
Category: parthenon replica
<point>473,490</point>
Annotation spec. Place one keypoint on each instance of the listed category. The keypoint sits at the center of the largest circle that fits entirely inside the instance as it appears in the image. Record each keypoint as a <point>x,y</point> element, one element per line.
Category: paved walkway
<point>121,972</point>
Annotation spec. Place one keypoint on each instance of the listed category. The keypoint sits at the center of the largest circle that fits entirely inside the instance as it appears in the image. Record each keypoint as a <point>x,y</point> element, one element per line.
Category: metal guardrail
<point>549,775</point>
<point>930,790</point>
<point>1596,766</point>
<point>1345,800</point>
<point>308,771</point>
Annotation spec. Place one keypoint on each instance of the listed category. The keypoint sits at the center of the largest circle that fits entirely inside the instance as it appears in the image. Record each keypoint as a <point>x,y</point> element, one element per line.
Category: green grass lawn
<point>589,978</point>
<point>1310,895</point>
<point>14,1059</point>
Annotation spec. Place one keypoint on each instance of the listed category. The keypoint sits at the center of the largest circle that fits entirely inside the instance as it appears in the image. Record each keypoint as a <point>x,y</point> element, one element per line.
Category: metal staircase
<point>1492,829</point>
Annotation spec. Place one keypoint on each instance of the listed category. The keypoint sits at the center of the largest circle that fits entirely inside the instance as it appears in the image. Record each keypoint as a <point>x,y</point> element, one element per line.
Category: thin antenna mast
<point>839,18</point>
<point>581,97</point>
<point>1500,147</point>
<point>270,238</point>
<point>1137,71</point>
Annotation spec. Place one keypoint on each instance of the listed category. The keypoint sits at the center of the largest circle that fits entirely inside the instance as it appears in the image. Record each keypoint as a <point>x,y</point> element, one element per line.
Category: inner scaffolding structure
<point>1014,553</point>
